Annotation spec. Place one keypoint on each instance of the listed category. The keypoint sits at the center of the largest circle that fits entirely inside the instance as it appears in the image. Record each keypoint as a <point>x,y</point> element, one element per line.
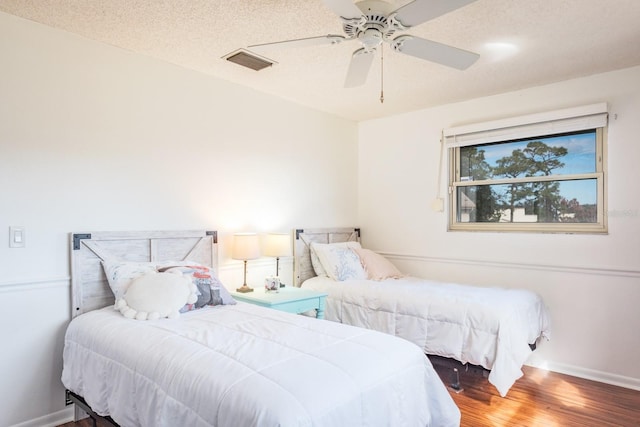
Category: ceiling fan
<point>373,22</point>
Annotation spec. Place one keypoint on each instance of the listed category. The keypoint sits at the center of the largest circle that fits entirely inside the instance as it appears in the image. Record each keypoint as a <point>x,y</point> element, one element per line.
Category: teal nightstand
<point>289,299</point>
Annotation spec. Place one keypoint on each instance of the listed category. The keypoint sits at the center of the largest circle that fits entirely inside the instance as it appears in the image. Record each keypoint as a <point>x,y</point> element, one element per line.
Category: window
<point>543,172</point>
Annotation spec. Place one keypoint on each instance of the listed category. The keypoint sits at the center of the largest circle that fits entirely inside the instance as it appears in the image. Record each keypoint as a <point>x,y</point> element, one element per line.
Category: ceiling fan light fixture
<point>370,38</point>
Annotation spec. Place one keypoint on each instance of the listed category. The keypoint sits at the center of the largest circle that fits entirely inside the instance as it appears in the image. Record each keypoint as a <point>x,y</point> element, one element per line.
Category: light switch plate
<point>17,237</point>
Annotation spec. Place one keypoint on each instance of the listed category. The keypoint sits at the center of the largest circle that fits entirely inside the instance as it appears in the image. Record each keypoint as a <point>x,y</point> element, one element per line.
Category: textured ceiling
<point>522,43</point>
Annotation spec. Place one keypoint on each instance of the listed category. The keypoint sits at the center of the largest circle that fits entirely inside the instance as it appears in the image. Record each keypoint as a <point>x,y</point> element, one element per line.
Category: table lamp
<point>277,245</point>
<point>246,246</point>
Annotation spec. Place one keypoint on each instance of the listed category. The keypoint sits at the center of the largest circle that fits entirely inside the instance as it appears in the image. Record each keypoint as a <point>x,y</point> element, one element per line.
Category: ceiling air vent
<point>249,59</point>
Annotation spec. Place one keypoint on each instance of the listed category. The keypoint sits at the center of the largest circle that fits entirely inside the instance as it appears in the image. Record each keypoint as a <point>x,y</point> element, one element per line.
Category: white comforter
<point>245,365</point>
<point>490,327</point>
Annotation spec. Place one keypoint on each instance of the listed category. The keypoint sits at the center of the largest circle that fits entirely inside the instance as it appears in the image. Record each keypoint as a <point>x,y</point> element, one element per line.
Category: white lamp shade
<point>277,245</point>
<point>245,246</point>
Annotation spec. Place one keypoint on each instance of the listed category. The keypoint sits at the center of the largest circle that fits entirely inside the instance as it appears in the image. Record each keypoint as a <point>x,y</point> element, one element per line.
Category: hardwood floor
<point>542,398</point>
<point>538,399</point>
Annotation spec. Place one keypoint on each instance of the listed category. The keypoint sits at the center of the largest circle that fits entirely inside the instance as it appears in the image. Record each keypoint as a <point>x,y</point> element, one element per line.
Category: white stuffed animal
<point>157,295</point>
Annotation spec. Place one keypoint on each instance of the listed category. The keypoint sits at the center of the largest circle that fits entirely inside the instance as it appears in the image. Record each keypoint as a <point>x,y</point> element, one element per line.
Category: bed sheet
<point>244,365</point>
<point>489,327</point>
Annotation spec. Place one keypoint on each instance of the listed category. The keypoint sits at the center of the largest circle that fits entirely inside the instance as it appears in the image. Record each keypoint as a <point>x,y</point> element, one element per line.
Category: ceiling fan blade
<point>344,8</point>
<point>359,67</point>
<point>419,11</point>
<point>434,52</point>
<point>309,41</point>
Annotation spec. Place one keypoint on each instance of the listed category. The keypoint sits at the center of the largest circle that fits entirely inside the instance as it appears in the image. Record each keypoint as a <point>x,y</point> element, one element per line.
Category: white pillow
<point>157,295</point>
<point>315,262</point>
<point>376,266</point>
<point>120,274</point>
<point>339,261</point>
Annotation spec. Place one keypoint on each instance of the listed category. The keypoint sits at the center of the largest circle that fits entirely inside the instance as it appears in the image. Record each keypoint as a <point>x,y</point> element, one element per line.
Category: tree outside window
<point>554,179</point>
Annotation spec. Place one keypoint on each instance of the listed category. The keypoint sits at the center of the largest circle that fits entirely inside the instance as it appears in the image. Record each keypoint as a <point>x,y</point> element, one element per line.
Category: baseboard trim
<point>588,374</point>
<point>50,420</point>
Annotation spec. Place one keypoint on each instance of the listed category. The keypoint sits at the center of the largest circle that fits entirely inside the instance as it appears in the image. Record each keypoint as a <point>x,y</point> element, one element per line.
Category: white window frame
<point>540,125</point>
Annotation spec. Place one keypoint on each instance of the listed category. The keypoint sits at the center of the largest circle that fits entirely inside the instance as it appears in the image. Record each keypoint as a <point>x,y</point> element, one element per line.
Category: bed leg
<point>455,382</point>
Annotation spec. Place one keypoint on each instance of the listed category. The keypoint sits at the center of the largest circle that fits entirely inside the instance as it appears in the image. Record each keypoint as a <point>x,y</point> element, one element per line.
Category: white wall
<point>93,138</point>
<point>591,283</point>
<point>96,138</point>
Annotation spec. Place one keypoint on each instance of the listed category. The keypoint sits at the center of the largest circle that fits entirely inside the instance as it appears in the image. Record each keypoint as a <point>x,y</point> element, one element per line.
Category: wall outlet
<point>17,237</point>
<point>438,205</point>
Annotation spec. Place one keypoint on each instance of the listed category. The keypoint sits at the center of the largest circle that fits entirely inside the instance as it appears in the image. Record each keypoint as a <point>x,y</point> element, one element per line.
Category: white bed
<point>234,365</point>
<point>489,327</point>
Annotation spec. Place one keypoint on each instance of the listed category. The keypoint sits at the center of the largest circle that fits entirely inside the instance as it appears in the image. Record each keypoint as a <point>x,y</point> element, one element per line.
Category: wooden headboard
<point>89,287</point>
<point>303,238</point>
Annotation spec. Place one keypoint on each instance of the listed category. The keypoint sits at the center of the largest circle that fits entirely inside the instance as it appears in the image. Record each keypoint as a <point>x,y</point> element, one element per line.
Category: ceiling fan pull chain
<point>381,74</point>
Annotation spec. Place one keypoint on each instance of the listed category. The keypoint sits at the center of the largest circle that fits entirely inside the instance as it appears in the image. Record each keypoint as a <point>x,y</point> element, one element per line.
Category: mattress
<point>489,327</point>
<point>244,365</point>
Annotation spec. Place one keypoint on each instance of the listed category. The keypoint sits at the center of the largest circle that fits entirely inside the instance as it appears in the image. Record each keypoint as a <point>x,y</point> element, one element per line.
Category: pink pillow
<point>377,266</point>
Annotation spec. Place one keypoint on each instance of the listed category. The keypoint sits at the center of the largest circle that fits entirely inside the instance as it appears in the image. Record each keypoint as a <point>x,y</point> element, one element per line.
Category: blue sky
<point>579,159</point>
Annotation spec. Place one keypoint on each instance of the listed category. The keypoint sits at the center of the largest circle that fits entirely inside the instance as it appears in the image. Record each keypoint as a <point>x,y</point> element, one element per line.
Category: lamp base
<point>244,289</point>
